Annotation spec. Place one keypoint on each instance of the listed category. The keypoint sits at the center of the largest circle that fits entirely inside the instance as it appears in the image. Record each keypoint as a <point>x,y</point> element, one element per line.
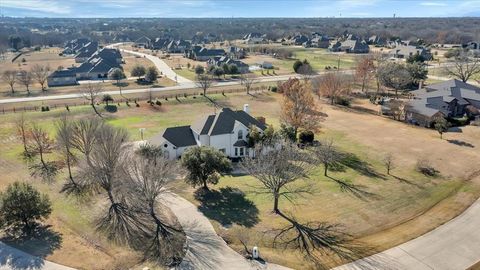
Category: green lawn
<point>186,73</point>
<point>320,58</point>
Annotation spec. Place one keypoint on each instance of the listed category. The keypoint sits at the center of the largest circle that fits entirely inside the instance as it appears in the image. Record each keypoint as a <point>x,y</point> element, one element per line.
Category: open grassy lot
<point>398,207</point>
<point>47,56</point>
<point>131,61</point>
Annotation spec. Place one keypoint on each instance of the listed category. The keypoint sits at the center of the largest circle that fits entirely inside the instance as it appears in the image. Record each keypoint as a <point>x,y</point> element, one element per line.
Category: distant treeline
<point>53,31</point>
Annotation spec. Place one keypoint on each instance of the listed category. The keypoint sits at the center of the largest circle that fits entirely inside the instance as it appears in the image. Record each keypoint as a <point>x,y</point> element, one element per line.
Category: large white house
<point>226,131</point>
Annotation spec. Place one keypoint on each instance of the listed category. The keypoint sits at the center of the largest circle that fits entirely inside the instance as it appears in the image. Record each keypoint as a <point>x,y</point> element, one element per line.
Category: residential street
<point>183,86</point>
<point>454,245</point>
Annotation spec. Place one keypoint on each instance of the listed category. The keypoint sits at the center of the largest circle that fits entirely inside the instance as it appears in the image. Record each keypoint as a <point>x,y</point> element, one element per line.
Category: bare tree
<point>84,136</point>
<point>276,169</point>
<point>389,162</point>
<point>365,71</point>
<point>91,92</point>
<point>327,154</point>
<point>299,109</point>
<point>146,180</point>
<point>332,85</point>
<point>10,77</point>
<point>25,78</point>
<point>118,221</point>
<point>40,144</point>
<point>248,81</point>
<point>204,82</point>
<point>464,67</point>
<point>64,141</point>
<point>40,74</point>
<point>23,131</point>
<point>395,76</point>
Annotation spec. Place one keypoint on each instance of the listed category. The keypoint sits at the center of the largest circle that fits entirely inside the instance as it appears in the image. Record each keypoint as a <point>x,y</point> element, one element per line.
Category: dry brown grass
<point>405,211</point>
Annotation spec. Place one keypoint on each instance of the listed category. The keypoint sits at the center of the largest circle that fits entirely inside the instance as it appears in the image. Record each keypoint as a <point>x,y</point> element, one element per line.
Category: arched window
<point>240,134</point>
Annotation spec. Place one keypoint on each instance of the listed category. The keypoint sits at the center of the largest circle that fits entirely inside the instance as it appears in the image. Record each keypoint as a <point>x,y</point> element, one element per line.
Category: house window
<point>166,154</point>
<point>223,150</point>
<point>240,134</point>
<point>165,145</point>
<point>236,151</point>
<point>241,151</point>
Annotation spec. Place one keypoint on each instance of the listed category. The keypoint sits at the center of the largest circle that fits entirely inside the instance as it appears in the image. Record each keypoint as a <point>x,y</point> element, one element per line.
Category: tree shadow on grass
<point>355,163</point>
<point>406,181</point>
<point>228,206</point>
<point>38,246</point>
<point>461,143</point>
<point>358,191</point>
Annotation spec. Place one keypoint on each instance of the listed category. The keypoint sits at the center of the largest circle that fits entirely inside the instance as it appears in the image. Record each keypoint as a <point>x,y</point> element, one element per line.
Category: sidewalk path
<point>14,259</point>
<point>454,245</point>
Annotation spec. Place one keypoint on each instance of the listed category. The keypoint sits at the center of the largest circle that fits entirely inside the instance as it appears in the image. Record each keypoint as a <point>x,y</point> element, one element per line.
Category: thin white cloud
<point>55,7</point>
<point>433,4</point>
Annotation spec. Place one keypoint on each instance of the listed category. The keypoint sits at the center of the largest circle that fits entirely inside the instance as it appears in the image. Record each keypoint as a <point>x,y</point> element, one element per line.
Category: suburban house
<point>178,46</point>
<point>160,43</point>
<point>120,37</point>
<point>220,61</point>
<point>203,54</point>
<point>350,46</point>
<point>99,64</point>
<point>86,51</point>
<point>62,77</point>
<point>200,38</point>
<point>236,52</point>
<point>226,131</point>
<point>143,42</point>
<point>254,38</point>
<point>317,42</point>
<point>405,51</point>
<point>376,41</point>
<point>451,98</point>
<point>297,40</point>
<point>472,45</point>
<point>72,46</point>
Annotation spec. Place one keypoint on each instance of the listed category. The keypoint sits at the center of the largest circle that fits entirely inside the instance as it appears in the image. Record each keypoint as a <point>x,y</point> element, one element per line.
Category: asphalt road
<point>183,86</point>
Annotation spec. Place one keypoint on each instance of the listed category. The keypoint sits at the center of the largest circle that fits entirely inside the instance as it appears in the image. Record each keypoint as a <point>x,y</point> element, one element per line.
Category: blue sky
<point>239,8</point>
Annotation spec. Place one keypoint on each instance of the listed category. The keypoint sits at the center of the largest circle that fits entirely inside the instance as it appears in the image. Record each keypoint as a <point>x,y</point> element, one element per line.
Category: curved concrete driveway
<point>454,245</point>
<point>14,259</point>
<point>207,250</point>
<point>162,66</point>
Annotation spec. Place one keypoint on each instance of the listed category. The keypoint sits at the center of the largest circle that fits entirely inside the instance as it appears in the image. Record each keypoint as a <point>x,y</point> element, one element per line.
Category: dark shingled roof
<point>62,73</point>
<point>180,136</point>
<point>203,126</point>
<point>224,122</point>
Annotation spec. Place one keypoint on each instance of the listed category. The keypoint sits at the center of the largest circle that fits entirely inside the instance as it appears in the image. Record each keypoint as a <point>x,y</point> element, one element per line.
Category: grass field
<point>378,220</point>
